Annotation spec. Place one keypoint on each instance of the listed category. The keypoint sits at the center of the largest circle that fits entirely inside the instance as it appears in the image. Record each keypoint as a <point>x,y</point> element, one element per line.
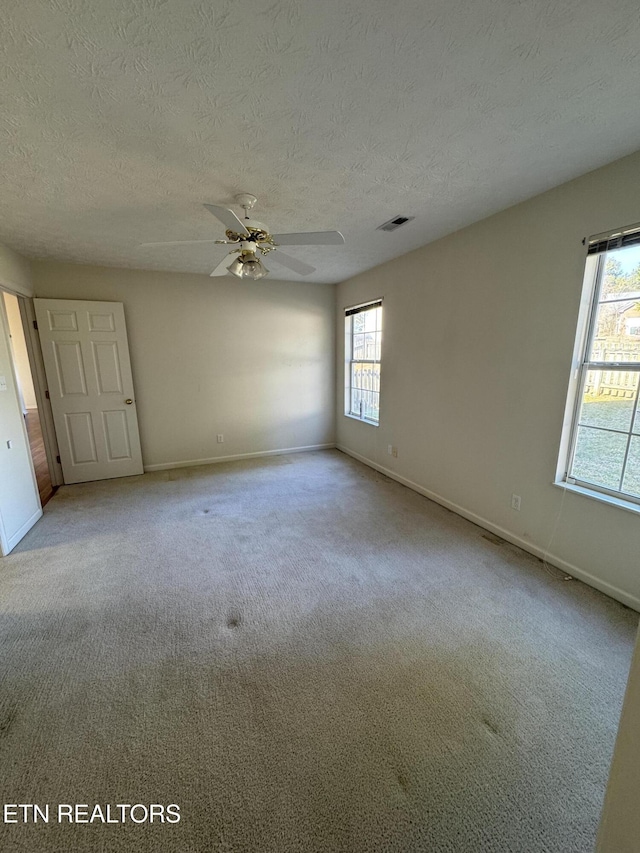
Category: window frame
<point>350,361</point>
<point>595,270</point>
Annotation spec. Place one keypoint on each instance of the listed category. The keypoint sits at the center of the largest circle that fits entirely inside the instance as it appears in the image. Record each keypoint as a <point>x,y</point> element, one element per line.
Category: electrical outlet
<point>515,502</point>
<point>394,451</point>
<point>390,449</point>
<point>220,438</point>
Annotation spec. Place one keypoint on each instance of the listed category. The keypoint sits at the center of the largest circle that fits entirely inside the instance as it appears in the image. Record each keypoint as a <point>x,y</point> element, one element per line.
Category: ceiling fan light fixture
<point>236,268</point>
<point>248,266</point>
<point>254,269</point>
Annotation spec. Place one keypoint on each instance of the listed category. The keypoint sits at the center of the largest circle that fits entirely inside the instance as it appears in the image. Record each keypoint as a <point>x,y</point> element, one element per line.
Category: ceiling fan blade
<point>221,269</point>
<point>176,243</point>
<point>310,238</point>
<point>227,217</point>
<point>293,263</point>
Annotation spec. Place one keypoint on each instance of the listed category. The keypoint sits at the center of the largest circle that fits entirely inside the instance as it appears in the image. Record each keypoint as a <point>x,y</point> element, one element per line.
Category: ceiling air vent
<point>394,223</point>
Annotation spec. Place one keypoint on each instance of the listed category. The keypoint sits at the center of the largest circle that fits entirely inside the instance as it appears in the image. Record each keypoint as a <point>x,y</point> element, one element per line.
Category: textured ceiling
<point>119,118</point>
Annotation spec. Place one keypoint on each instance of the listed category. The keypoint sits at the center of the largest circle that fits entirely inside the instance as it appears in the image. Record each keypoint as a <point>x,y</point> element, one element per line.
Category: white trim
<point>189,463</point>
<point>572,400</point>
<point>595,495</point>
<point>17,536</point>
<point>8,543</point>
<point>576,572</point>
<point>45,413</point>
<point>362,420</point>
<point>4,544</point>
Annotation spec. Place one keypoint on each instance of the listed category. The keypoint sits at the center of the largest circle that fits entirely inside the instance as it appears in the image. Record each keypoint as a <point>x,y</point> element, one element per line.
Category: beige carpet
<point>304,656</point>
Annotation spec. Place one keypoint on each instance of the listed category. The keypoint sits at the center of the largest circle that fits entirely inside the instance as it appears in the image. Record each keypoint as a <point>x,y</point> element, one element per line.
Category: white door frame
<point>28,314</point>
<point>45,414</point>
<point>8,543</point>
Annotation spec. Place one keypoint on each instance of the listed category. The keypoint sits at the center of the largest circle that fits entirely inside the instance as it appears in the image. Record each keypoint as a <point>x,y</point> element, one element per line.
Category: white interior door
<point>86,359</point>
<point>19,499</point>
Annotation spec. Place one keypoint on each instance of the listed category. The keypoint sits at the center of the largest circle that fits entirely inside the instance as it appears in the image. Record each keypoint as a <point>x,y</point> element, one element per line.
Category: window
<point>604,447</point>
<point>363,348</point>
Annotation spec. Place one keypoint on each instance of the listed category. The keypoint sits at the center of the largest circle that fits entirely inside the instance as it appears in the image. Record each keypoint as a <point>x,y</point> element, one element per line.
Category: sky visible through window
<point>629,258</point>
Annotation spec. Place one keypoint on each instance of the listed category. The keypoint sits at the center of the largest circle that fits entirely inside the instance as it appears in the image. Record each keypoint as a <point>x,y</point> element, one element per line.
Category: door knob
<point>129,401</point>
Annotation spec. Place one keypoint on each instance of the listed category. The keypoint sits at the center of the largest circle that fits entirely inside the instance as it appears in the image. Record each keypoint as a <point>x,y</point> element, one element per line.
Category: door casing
<point>20,505</point>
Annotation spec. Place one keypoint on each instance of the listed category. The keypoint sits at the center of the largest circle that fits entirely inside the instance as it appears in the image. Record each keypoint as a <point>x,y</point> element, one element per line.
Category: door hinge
<point>46,394</point>
<point>35,324</point>
<point>57,459</point>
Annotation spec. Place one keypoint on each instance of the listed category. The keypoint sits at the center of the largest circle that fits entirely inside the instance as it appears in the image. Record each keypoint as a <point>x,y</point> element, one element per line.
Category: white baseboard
<point>18,535</point>
<point>190,463</point>
<point>575,571</point>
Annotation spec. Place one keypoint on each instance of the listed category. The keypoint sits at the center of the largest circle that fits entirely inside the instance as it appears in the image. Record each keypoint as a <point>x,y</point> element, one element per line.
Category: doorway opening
<point>28,399</point>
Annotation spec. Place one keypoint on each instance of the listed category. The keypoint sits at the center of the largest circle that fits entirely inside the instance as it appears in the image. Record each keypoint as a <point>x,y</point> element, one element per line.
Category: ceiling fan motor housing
<point>258,235</point>
<point>254,225</point>
<point>246,200</point>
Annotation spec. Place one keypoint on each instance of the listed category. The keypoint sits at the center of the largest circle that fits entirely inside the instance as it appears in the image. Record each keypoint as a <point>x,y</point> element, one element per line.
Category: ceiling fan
<point>251,237</point>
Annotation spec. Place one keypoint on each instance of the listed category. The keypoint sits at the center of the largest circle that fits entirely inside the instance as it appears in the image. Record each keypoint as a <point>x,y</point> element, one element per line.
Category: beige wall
<point>620,824</point>
<point>479,332</point>
<point>15,272</point>
<point>253,361</point>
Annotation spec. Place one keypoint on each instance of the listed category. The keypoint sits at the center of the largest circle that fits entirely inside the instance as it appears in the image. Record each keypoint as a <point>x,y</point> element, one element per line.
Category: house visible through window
<point>363,351</point>
<point>604,449</point>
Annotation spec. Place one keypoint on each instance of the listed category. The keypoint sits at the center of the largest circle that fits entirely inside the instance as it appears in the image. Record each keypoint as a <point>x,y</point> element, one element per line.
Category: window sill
<point>599,496</point>
<point>362,420</point>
